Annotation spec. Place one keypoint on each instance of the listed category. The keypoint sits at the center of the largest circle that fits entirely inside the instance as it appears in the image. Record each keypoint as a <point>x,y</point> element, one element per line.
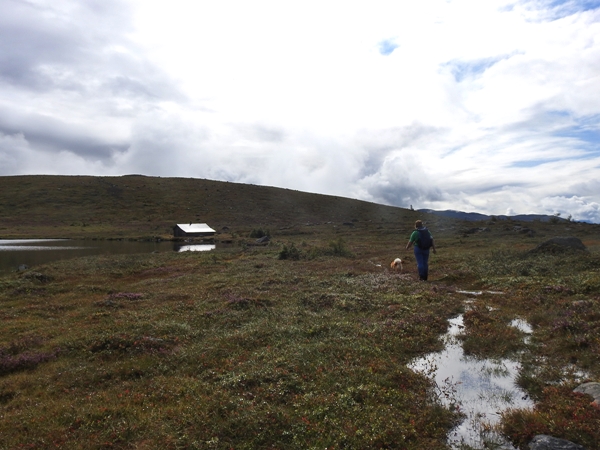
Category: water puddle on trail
<point>482,388</point>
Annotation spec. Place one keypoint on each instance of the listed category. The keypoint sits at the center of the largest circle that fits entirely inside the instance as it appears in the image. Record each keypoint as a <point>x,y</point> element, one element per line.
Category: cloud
<point>42,42</point>
<point>573,207</point>
<point>51,134</point>
<point>462,70</point>
<point>433,105</point>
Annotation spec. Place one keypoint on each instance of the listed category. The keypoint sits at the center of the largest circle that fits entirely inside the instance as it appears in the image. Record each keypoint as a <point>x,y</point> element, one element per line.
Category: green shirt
<point>414,237</point>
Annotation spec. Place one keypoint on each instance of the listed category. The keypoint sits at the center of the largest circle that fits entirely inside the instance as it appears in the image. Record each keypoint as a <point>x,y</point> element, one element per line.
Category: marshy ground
<point>304,343</point>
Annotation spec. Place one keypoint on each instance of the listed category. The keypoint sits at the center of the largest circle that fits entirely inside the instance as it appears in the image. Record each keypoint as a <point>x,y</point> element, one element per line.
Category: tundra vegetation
<point>301,343</point>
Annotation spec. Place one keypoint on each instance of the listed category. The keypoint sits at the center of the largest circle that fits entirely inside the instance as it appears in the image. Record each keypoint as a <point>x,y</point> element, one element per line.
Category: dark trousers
<point>422,257</point>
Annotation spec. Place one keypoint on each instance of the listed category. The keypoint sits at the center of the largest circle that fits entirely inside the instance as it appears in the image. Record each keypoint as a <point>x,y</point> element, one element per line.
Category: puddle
<point>521,325</point>
<point>470,292</point>
<point>480,292</point>
<point>482,388</point>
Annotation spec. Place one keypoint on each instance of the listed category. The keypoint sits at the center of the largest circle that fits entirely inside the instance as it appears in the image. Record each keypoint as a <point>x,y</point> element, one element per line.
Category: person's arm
<point>410,241</point>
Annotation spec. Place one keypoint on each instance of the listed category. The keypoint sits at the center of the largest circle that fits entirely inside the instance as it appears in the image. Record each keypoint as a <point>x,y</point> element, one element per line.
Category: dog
<point>396,265</point>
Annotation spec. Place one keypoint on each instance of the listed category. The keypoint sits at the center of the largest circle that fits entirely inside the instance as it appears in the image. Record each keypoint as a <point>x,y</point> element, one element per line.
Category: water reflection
<point>521,325</point>
<point>196,248</point>
<point>18,245</point>
<point>32,252</point>
<point>482,387</point>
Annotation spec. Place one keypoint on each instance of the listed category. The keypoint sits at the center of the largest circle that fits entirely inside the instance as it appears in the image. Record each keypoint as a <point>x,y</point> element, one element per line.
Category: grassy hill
<point>303,343</point>
<point>139,206</point>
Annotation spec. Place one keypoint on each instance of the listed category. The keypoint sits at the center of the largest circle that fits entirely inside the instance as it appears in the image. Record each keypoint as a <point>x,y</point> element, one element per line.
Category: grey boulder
<point>591,388</point>
<point>543,442</point>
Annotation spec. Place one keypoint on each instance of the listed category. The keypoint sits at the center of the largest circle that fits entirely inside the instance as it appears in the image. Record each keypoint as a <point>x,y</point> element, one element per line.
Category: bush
<point>290,252</point>
<point>258,233</point>
<point>338,248</point>
<point>334,248</point>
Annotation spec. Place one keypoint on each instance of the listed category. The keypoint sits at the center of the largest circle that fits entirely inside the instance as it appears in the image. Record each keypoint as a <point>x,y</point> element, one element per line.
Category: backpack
<point>424,241</point>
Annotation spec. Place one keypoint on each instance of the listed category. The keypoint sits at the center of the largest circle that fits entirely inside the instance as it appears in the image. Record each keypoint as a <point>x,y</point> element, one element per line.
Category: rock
<point>560,245</point>
<point>592,389</point>
<point>524,230</point>
<point>263,240</point>
<point>22,267</point>
<point>36,276</point>
<point>543,442</point>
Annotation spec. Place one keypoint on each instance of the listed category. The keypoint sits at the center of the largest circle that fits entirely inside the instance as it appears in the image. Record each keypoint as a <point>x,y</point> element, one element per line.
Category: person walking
<point>422,240</point>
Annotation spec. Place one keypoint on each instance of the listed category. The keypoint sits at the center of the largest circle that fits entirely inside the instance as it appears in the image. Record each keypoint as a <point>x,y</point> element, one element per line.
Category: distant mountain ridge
<point>477,216</point>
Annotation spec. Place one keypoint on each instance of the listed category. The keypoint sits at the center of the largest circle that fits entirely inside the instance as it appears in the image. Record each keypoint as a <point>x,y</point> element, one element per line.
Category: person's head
<point>419,224</point>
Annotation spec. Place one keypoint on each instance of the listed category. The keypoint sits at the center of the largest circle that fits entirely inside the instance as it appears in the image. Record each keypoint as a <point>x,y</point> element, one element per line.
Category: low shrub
<point>560,413</point>
<point>23,361</point>
<point>257,233</point>
<point>336,248</point>
<point>289,252</point>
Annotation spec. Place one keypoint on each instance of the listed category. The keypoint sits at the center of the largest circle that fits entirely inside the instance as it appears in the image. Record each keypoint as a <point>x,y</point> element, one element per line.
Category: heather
<point>301,343</point>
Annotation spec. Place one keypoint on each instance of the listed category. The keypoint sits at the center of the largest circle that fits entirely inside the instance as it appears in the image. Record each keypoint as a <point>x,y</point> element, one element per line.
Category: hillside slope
<point>140,206</point>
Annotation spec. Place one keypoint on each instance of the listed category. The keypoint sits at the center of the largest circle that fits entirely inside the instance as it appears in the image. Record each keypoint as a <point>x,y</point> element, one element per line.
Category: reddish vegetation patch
<point>560,413</point>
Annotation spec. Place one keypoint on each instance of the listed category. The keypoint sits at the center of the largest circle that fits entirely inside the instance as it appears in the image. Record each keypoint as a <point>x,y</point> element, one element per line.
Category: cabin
<point>193,230</point>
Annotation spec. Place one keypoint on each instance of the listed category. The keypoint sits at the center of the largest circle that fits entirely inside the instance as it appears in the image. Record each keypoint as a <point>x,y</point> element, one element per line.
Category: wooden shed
<point>193,230</point>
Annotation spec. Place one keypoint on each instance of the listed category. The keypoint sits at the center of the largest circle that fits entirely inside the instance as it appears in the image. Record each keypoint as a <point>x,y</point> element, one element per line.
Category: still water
<point>33,252</point>
<point>483,388</point>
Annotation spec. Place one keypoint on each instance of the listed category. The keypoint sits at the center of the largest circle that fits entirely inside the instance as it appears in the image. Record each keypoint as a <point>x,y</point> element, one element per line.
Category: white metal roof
<point>195,228</point>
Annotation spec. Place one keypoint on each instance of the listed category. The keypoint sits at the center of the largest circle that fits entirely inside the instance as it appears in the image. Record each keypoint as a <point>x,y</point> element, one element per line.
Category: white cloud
<point>480,106</point>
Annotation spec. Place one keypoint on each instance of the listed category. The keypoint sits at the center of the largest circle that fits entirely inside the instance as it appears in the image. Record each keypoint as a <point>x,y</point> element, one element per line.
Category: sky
<point>479,106</point>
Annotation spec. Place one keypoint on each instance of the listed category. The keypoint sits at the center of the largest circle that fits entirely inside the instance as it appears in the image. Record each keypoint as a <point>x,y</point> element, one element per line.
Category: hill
<point>141,207</point>
<point>136,206</point>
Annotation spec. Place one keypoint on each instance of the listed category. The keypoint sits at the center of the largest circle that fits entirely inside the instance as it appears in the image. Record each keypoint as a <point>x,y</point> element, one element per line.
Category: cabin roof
<point>195,228</point>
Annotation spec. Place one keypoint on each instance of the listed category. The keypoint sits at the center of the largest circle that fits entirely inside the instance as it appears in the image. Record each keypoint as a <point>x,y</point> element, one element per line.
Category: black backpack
<point>424,241</point>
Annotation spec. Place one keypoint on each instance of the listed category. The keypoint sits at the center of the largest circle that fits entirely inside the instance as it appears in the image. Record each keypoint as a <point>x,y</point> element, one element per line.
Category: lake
<point>33,252</point>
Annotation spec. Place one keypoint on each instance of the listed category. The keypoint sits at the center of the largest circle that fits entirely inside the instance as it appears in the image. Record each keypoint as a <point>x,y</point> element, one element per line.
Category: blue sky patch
<point>462,70</point>
<point>587,130</point>
<point>532,162</point>
<point>574,6</point>
<point>564,8</point>
<point>387,46</point>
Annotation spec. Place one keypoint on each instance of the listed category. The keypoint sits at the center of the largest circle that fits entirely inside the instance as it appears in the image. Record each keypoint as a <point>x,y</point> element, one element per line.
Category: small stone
<point>591,388</point>
<point>544,442</point>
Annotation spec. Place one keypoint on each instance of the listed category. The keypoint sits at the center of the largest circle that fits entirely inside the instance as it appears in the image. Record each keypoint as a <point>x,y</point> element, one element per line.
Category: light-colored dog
<point>396,265</point>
